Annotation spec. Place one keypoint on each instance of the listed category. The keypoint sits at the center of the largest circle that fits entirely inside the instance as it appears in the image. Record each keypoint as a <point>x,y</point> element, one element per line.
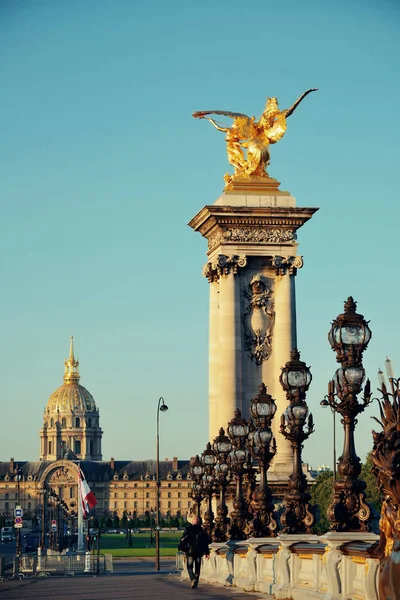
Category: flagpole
<point>81,544</point>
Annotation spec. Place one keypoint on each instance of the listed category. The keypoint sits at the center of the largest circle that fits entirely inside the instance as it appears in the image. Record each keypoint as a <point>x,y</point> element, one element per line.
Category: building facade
<point>70,439</point>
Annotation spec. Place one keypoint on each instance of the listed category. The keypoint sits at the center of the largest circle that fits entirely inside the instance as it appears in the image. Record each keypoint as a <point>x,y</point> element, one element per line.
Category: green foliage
<point>321,497</point>
<point>373,493</point>
<point>115,522</point>
<point>109,522</point>
<point>322,494</point>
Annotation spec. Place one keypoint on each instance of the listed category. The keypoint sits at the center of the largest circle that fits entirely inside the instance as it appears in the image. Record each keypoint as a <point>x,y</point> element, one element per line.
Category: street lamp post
<point>238,430</point>
<point>197,470</point>
<point>349,337</point>
<point>209,458</point>
<point>222,447</point>
<point>263,448</point>
<point>325,403</point>
<point>160,407</point>
<point>298,516</point>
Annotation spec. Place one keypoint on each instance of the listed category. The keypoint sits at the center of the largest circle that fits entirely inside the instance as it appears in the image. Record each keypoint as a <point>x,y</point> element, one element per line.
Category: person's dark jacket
<point>194,541</point>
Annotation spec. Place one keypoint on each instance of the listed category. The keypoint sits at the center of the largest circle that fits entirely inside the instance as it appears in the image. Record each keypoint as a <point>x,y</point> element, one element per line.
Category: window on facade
<point>147,495</point>
<point>135,494</point>
<point>77,446</point>
<point>169,485</point>
<point>125,504</point>
<point>125,495</point>
<point>147,504</point>
<point>6,497</point>
<point>89,422</point>
<point>189,485</point>
<point>63,422</point>
<point>147,485</point>
<point>91,446</point>
<point>179,494</point>
<point>169,494</point>
<point>6,506</point>
<point>49,447</point>
<point>179,485</point>
<point>29,505</point>
<point>52,422</point>
<point>71,492</point>
<point>115,505</point>
<point>179,504</point>
<point>135,505</point>
<point>135,485</point>
<point>169,504</point>
<point>77,422</point>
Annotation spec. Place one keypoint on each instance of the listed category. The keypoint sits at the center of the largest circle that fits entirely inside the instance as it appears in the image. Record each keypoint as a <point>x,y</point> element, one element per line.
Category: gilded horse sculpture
<point>253,135</point>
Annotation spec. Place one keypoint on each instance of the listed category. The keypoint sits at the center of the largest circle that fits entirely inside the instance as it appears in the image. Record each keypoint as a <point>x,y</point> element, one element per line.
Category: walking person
<point>194,544</point>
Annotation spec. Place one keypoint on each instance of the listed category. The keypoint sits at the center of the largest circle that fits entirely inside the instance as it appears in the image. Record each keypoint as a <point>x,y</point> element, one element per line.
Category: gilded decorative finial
<point>253,136</point>
<point>71,365</point>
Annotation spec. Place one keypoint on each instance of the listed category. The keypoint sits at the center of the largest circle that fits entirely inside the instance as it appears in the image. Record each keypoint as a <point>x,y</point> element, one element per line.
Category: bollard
<point>87,562</point>
<point>39,559</point>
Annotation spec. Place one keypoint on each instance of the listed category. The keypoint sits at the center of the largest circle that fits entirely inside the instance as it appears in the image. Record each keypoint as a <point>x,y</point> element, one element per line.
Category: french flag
<point>88,499</point>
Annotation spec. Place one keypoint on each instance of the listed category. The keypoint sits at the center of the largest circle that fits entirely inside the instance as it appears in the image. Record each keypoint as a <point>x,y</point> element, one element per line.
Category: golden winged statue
<point>254,136</point>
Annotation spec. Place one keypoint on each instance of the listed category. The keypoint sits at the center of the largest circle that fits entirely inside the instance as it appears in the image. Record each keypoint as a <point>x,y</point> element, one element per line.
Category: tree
<point>109,522</point>
<point>373,493</point>
<point>321,497</point>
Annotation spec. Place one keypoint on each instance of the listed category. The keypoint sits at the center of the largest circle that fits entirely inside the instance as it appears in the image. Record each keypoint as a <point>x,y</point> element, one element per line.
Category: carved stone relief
<point>283,264</point>
<point>258,317</point>
<point>63,475</point>
<point>252,235</point>
<point>223,266</point>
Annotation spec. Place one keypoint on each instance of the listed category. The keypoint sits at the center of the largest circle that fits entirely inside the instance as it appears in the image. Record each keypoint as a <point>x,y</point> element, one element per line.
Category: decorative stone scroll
<point>223,266</point>
<point>283,264</point>
<point>258,318</point>
<point>252,235</point>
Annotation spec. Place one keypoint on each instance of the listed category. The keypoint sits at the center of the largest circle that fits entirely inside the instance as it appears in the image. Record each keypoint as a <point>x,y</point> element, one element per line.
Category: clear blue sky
<point>102,166</point>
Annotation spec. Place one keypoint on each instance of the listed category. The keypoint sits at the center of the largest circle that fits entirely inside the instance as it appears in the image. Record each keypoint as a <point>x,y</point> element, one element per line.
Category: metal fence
<point>64,563</point>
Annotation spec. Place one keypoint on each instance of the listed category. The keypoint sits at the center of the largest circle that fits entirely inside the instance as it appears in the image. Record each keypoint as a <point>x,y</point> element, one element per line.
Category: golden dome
<point>71,396</point>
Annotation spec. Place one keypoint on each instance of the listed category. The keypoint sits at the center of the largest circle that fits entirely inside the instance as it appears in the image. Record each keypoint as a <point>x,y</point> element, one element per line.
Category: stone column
<point>213,369</point>
<point>225,364</point>
<point>285,340</point>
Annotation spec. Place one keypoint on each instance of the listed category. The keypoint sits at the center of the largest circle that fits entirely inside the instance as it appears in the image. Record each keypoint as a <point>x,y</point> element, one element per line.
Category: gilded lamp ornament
<point>253,136</point>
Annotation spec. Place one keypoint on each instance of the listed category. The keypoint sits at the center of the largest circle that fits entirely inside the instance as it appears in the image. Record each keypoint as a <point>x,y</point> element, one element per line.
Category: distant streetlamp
<point>325,403</point>
<point>161,407</point>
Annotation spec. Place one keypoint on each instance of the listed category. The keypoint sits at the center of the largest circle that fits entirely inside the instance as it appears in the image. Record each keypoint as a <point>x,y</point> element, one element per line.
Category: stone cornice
<point>250,225</point>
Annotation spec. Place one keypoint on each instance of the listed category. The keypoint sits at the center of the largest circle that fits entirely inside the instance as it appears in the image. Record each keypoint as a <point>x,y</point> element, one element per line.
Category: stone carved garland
<point>258,318</point>
<point>252,235</point>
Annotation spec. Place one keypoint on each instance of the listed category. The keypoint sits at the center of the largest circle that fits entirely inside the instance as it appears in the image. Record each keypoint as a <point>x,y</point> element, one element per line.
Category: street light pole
<point>160,407</point>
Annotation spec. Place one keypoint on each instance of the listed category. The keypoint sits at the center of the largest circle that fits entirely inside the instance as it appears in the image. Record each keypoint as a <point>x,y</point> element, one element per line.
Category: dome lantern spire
<point>71,365</point>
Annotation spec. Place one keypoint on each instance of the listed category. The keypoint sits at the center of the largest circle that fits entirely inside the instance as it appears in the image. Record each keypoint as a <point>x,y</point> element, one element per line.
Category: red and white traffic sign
<point>54,522</point>
<point>18,522</point>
